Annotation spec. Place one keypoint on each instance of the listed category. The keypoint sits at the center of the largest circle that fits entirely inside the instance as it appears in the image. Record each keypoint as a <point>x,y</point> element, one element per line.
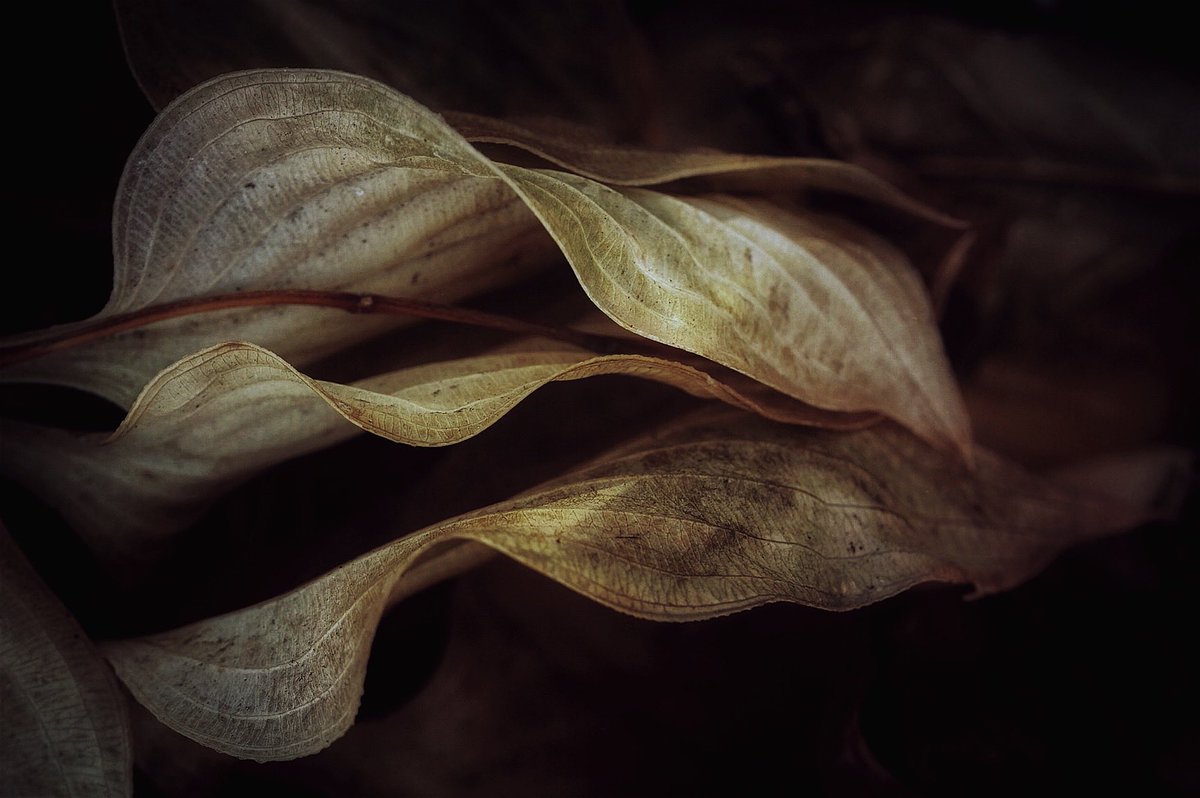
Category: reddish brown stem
<point>352,303</point>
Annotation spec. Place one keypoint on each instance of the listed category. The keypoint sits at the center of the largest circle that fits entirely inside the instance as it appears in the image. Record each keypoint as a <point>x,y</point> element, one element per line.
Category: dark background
<point>1083,679</point>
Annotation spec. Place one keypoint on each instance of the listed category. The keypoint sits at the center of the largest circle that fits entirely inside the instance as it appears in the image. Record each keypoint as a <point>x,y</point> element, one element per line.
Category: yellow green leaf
<point>279,179</point>
<point>632,166</point>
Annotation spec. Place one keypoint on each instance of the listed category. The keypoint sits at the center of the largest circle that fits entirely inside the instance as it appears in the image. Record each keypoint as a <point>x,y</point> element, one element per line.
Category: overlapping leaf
<point>291,180</point>
<point>713,516</point>
<point>584,61</point>
<point>815,308</point>
<point>65,730</point>
<point>278,178</point>
<point>262,180</point>
<point>632,166</point>
<point>217,417</point>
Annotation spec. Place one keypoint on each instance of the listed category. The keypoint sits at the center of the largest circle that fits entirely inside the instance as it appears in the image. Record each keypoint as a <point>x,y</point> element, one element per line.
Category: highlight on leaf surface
<point>811,306</point>
<point>290,178</point>
<point>222,415</point>
<point>1066,313</point>
<point>65,731</point>
<point>719,513</point>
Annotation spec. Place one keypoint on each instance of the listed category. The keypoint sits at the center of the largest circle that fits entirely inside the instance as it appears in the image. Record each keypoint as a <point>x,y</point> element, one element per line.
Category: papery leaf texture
<point>288,178</point>
<point>719,513</point>
<point>218,417</point>
<point>291,180</point>
<point>619,165</point>
<point>811,306</point>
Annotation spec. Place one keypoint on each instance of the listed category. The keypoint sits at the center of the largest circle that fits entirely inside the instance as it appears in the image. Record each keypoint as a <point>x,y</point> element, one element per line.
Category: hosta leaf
<point>65,730</point>
<point>285,179</point>
<point>219,416</point>
<point>630,166</point>
<point>713,516</point>
<point>271,180</point>
<point>813,307</point>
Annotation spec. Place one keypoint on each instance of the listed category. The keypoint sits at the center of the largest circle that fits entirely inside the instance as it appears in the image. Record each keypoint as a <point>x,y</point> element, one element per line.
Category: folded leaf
<point>285,179</point>
<point>811,306</point>
<point>65,730</point>
<point>271,180</point>
<point>711,517</point>
<point>630,166</point>
<point>218,417</point>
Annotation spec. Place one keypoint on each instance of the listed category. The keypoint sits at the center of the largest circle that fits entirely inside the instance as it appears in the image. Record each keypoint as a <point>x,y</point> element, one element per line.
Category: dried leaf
<point>714,516</point>
<point>65,729</point>
<point>218,417</point>
<point>629,166</point>
<point>513,635</point>
<point>811,306</point>
<point>265,179</point>
<point>291,180</point>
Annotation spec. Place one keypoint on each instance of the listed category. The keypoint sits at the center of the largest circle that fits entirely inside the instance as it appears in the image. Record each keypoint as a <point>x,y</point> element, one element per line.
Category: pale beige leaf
<point>292,179</point>
<point>216,418</point>
<point>65,730</point>
<point>716,515</point>
<point>285,179</point>
<point>629,166</point>
<point>811,306</point>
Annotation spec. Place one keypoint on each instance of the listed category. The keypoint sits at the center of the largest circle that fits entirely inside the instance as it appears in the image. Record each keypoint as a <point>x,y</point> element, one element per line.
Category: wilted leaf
<point>222,415</point>
<point>266,179</point>
<point>811,306</point>
<point>1061,349</point>
<point>714,516</point>
<point>472,727</point>
<point>291,180</point>
<point>65,730</point>
<point>631,166</point>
